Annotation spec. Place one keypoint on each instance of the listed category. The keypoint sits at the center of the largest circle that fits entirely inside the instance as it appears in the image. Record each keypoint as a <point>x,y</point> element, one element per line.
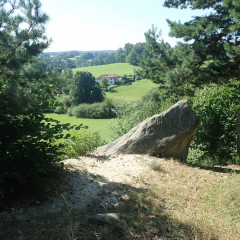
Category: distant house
<point>112,78</point>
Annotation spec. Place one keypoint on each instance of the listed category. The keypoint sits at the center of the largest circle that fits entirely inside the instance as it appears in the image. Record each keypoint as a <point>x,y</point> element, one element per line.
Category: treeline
<point>133,53</point>
<point>130,53</point>
<point>68,60</point>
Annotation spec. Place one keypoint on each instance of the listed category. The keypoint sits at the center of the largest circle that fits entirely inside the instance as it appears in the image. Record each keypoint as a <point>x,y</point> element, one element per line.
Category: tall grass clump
<point>220,211</point>
<point>215,141</point>
<point>80,143</point>
<point>98,110</point>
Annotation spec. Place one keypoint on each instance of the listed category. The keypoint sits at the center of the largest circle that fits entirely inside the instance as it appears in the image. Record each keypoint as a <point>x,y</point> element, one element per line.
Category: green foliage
<point>209,57</point>
<point>125,80</point>
<point>215,141</point>
<point>122,53</point>
<point>94,125</point>
<point>132,92</point>
<point>80,143</point>
<point>94,111</point>
<point>132,53</point>
<point>66,102</point>
<point>137,54</point>
<point>27,149</point>
<point>130,114</point>
<point>85,89</point>
<point>115,68</point>
<point>104,82</point>
<point>210,53</point>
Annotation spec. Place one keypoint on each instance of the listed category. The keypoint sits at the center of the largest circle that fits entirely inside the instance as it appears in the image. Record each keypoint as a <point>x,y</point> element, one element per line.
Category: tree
<point>121,55</point>
<point>26,149</point>
<point>87,56</point>
<point>210,53</point>
<point>104,82</point>
<point>137,53</point>
<point>85,89</point>
<point>124,80</point>
<point>208,59</point>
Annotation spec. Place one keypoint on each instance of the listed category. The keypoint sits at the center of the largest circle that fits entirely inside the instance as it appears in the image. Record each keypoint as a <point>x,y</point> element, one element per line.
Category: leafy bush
<point>66,101</point>
<point>59,109</point>
<point>80,143</point>
<point>96,110</point>
<point>215,141</point>
<point>28,151</point>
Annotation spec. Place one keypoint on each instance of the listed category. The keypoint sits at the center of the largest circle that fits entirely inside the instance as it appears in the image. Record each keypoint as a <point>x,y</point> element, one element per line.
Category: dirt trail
<point>88,179</point>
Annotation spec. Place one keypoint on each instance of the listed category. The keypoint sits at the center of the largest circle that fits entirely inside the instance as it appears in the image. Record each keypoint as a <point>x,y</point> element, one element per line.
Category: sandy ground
<point>94,178</point>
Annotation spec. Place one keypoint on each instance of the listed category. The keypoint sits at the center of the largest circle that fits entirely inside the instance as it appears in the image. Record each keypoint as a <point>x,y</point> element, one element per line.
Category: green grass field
<point>94,125</point>
<point>127,93</point>
<point>115,68</point>
<point>131,92</point>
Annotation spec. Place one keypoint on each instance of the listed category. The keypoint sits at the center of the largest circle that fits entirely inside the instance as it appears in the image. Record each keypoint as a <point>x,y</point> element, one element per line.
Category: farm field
<point>94,125</point>
<point>115,68</point>
<point>131,92</point>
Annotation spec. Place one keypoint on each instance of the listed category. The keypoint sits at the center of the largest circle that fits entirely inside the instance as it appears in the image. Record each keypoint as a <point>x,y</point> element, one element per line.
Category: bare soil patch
<point>159,199</point>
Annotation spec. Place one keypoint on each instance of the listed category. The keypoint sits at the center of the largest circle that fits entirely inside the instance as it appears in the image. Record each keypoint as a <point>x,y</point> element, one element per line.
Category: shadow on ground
<point>69,220</point>
<point>112,89</point>
<point>223,170</point>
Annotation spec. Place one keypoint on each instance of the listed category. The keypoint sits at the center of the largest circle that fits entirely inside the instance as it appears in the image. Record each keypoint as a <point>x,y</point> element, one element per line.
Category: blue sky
<point>107,24</point>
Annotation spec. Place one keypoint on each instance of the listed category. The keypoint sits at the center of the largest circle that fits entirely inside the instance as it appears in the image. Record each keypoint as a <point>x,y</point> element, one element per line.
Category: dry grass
<point>186,203</point>
<point>171,201</point>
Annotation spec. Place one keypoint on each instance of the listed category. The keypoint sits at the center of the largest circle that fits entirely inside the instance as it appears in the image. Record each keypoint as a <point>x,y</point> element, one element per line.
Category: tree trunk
<point>238,134</point>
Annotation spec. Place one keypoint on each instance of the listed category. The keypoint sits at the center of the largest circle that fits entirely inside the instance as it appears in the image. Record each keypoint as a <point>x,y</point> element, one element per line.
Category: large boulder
<point>164,135</point>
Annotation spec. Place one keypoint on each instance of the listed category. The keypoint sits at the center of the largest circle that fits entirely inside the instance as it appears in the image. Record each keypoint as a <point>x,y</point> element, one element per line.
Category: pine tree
<point>27,154</point>
<point>210,53</point>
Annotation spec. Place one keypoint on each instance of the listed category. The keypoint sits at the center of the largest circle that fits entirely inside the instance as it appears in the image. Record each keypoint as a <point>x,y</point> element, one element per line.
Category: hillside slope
<point>115,68</point>
<point>157,198</point>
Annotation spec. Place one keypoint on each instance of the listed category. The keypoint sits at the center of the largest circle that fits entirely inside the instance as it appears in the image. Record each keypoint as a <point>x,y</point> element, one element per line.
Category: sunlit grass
<point>115,68</point>
<point>131,92</point>
<point>94,125</point>
<point>182,202</point>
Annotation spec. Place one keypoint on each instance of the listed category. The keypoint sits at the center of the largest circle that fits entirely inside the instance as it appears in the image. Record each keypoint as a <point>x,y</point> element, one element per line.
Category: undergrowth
<point>79,143</point>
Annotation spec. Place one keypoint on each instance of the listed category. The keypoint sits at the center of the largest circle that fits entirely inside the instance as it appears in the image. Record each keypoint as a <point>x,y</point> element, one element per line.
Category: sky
<point>107,24</point>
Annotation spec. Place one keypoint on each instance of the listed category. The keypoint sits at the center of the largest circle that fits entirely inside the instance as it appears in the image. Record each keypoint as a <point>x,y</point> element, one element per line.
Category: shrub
<point>60,110</point>
<point>80,143</point>
<point>215,141</point>
<point>28,151</point>
<point>95,110</point>
<point>66,101</point>
<point>130,114</point>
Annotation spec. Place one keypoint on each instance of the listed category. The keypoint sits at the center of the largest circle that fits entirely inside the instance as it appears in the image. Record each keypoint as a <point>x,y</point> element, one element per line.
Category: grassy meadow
<point>131,92</point>
<point>126,93</point>
<point>94,125</point>
<point>115,68</point>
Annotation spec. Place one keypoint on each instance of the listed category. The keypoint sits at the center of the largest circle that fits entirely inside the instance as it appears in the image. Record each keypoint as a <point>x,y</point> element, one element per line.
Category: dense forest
<point>130,53</point>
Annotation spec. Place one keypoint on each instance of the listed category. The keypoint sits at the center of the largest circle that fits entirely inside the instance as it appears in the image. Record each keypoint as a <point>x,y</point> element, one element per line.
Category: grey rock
<point>164,135</point>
